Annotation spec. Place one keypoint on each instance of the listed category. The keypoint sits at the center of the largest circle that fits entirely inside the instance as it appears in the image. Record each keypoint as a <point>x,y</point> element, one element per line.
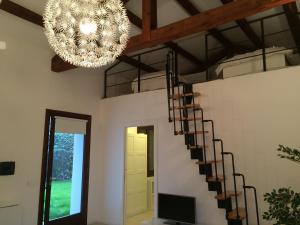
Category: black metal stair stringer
<point>185,96</point>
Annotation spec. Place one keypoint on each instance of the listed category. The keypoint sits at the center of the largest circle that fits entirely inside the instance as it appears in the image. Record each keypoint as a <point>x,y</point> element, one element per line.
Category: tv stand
<point>157,221</point>
<point>175,223</point>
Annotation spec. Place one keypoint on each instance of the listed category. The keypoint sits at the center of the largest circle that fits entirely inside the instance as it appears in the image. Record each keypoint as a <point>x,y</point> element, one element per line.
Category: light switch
<point>2,45</point>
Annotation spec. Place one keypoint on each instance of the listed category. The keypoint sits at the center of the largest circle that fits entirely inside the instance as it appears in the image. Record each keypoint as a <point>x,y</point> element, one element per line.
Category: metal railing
<point>114,74</point>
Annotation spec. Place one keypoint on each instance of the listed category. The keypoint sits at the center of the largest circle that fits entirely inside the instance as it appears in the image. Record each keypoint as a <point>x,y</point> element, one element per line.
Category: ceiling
<point>170,11</point>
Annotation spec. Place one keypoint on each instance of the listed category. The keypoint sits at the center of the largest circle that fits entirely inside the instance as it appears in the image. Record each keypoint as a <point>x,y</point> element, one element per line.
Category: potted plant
<point>284,203</point>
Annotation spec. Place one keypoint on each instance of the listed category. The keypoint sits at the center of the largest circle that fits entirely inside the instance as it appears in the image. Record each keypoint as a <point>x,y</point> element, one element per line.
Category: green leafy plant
<point>288,153</point>
<point>284,207</point>
<point>284,204</point>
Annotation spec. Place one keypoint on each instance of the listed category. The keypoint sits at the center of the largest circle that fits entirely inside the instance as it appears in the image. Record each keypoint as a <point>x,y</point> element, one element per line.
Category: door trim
<point>86,161</point>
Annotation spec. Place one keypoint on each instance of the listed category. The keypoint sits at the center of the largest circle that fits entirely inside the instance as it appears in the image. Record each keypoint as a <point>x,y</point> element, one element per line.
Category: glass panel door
<point>66,157</point>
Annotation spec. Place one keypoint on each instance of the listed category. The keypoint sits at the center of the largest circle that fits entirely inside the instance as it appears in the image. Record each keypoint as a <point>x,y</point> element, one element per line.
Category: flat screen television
<point>180,209</point>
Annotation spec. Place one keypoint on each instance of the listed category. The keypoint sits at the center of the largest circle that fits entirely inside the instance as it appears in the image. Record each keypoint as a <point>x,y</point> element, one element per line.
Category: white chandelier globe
<point>87,33</point>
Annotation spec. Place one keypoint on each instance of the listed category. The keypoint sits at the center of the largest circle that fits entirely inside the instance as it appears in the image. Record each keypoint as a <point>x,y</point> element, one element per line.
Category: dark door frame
<point>150,151</point>
<point>81,217</point>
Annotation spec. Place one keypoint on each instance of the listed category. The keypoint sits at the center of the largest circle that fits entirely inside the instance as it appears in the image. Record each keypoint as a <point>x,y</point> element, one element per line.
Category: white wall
<point>252,114</point>
<point>27,88</point>
<point>176,173</point>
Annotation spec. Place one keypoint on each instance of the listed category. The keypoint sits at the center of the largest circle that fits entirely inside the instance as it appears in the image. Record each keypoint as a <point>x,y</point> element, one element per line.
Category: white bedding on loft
<point>252,62</point>
<point>150,82</point>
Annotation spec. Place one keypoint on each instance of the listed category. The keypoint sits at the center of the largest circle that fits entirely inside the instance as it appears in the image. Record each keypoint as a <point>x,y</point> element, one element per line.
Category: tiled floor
<point>140,218</point>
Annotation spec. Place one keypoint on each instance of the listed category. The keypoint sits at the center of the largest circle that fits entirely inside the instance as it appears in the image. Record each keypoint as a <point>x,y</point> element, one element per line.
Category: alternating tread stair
<point>191,132</point>
<point>233,215</point>
<point>183,113</point>
<point>186,118</point>
<point>187,106</point>
<point>178,96</point>
<point>208,162</point>
<point>228,194</point>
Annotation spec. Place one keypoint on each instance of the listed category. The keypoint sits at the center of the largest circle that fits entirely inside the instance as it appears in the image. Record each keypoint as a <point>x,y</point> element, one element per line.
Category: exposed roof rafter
<point>247,29</point>
<point>135,20</point>
<point>184,53</point>
<point>125,1</point>
<point>191,9</point>
<point>211,61</point>
<point>21,12</point>
<point>292,15</point>
<point>205,21</point>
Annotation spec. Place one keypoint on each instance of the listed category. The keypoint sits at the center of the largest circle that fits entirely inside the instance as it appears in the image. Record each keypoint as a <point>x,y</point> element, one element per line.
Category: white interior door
<point>136,173</point>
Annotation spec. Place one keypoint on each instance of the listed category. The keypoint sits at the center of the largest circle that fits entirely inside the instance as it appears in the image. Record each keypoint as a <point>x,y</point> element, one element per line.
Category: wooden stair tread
<point>208,162</point>
<point>211,179</point>
<point>177,96</point>
<point>197,146</point>
<point>187,118</point>
<point>187,106</point>
<point>233,214</point>
<point>228,195</point>
<point>197,132</point>
<point>190,132</point>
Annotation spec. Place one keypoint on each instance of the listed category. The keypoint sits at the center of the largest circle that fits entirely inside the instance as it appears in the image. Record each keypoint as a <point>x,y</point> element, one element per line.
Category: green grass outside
<point>60,199</point>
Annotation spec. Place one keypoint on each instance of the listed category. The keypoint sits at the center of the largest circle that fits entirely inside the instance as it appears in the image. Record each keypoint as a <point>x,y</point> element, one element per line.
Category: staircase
<point>189,121</point>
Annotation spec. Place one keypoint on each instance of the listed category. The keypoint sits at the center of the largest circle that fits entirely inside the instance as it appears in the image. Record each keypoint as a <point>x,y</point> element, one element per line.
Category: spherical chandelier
<point>87,33</point>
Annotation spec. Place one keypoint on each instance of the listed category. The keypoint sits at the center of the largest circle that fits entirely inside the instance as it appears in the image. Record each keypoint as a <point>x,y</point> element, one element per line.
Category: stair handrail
<point>168,86</point>
<point>175,69</point>
<point>195,122</point>
<point>203,137</point>
<point>223,165</point>
<point>245,194</point>
<point>234,183</point>
<point>214,145</point>
<point>170,73</point>
<point>256,203</point>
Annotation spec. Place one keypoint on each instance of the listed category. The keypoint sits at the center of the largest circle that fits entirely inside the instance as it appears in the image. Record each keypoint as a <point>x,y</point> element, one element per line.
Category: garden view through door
<point>65,187</point>
<point>66,182</point>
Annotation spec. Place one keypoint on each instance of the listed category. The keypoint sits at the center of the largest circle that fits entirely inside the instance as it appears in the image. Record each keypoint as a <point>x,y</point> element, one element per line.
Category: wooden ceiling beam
<point>135,20</point>
<point>125,1</point>
<point>291,12</point>
<point>147,19</point>
<point>59,65</point>
<point>205,21</point>
<point>191,9</point>
<point>247,29</point>
<point>21,12</point>
<point>154,22</point>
